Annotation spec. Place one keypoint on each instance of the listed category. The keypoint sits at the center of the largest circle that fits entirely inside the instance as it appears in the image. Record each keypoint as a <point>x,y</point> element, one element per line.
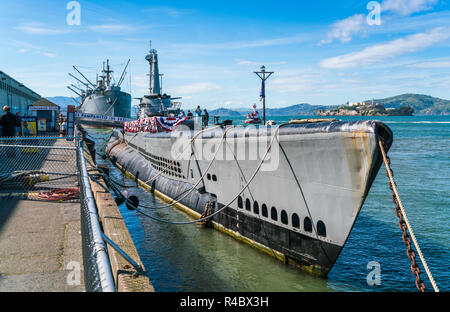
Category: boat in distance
<point>293,190</point>
<point>253,117</point>
<point>102,103</point>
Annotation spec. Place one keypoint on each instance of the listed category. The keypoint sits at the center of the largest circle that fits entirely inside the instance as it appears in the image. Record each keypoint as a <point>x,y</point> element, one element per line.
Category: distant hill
<point>294,110</point>
<point>422,104</point>
<point>62,101</point>
<point>224,112</point>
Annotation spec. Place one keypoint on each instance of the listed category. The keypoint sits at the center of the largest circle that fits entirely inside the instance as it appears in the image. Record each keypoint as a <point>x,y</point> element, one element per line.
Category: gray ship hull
<point>112,103</point>
<point>301,211</point>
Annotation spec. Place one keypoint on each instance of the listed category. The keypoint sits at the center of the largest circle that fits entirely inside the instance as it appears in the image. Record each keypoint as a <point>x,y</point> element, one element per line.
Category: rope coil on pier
<point>404,226</point>
<point>59,194</point>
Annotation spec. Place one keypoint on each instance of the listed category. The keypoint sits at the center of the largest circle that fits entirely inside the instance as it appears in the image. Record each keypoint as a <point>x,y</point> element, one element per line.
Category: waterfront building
<point>16,95</point>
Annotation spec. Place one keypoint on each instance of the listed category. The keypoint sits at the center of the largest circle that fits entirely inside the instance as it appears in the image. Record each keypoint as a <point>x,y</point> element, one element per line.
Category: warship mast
<point>152,58</point>
<point>156,103</point>
<point>108,73</point>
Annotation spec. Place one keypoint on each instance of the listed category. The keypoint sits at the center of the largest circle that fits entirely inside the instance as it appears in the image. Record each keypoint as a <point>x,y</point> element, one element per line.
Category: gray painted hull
<point>112,103</point>
<point>312,196</point>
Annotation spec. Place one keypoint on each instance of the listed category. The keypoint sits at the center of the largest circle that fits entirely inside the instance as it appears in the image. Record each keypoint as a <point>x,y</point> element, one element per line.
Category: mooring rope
<point>398,202</point>
<point>180,155</point>
<point>187,192</point>
<point>229,203</point>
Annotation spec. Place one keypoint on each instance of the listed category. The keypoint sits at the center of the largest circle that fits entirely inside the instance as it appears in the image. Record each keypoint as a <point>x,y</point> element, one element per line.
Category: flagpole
<point>264,75</point>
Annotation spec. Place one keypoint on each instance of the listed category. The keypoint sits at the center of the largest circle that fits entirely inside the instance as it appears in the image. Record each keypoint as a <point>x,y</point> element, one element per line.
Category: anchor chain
<point>420,285</point>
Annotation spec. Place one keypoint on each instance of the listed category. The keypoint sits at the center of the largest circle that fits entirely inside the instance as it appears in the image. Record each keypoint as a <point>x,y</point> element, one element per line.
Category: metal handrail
<point>103,262</point>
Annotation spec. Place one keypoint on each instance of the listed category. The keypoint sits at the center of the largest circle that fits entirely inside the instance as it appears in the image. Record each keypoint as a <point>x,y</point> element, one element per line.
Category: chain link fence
<point>43,167</point>
<point>54,169</point>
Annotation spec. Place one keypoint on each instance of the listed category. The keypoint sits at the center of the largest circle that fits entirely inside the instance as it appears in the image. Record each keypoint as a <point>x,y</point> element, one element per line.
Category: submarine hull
<point>300,206</point>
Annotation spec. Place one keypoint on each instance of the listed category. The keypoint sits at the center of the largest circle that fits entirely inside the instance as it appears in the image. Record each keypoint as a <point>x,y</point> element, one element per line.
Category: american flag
<point>263,91</point>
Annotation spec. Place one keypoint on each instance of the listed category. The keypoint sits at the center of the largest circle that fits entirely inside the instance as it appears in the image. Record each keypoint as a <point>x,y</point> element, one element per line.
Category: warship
<point>102,103</point>
<point>293,190</point>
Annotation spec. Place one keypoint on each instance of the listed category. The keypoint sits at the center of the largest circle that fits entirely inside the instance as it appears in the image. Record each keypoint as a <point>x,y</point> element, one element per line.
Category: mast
<point>108,73</point>
<point>152,58</point>
<point>122,77</point>
<point>83,83</point>
<point>84,76</point>
<point>264,75</point>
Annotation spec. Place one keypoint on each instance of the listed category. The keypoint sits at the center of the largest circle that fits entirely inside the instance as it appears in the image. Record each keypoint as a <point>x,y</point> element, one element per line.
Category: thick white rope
<point>416,244</point>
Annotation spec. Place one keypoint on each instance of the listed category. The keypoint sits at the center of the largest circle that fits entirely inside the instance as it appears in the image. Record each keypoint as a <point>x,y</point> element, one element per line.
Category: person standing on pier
<point>205,118</point>
<point>63,129</point>
<point>8,122</point>
<point>189,114</point>
<point>198,111</point>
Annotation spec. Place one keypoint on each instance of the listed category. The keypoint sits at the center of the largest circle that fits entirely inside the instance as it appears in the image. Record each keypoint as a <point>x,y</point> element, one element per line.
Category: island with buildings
<point>366,108</point>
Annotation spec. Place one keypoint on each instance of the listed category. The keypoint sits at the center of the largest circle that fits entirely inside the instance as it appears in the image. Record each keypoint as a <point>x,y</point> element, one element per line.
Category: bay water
<point>190,258</point>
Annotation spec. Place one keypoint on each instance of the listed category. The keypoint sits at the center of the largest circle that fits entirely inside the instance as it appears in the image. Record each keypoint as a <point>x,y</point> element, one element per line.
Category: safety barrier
<point>97,267</point>
<point>40,166</point>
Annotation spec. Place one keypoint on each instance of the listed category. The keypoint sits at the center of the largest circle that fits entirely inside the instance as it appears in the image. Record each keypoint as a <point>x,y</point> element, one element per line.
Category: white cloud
<point>197,88</point>
<point>431,64</point>
<point>24,47</point>
<point>111,27</point>
<point>345,29</point>
<point>246,62</point>
<point>48,54</point>
<point>252,63</point>
<point>381,52</point>
<point>40,29</point>
<point>407,7</point>
<point>292,82</point>
<point>244,44</point>
<point>168,11</point>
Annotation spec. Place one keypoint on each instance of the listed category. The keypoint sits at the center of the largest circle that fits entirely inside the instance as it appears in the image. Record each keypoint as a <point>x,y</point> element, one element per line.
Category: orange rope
<point>59,194</point>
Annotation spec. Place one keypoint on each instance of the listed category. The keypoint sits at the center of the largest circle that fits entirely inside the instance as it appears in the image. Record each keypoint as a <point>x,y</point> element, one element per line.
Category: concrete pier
<point>40,241</point>
<point>40,247</point>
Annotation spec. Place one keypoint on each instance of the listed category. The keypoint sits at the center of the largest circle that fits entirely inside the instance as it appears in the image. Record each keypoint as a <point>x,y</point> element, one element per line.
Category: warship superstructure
<point>293,190</point>
<point>103,102</point>
<point>157,104</point>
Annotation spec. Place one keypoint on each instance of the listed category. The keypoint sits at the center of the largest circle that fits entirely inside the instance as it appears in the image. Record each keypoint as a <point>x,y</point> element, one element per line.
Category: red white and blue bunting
<point>168,124</point>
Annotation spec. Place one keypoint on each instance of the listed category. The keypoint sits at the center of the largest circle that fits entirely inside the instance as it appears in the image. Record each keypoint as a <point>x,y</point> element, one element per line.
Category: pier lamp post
<point>264,75</point>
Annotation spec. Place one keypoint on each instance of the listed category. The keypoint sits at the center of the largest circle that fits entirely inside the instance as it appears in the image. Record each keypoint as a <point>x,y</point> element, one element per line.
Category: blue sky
<point>322,52</point>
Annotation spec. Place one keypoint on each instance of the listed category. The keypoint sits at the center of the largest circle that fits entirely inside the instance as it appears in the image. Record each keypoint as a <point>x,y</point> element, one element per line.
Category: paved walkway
<point>40,247</point>
<point>40,242</point>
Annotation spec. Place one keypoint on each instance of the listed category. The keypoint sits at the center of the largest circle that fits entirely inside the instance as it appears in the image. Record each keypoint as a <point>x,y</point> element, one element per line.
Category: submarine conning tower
<point>155,104</point>
<point>152,58</point>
